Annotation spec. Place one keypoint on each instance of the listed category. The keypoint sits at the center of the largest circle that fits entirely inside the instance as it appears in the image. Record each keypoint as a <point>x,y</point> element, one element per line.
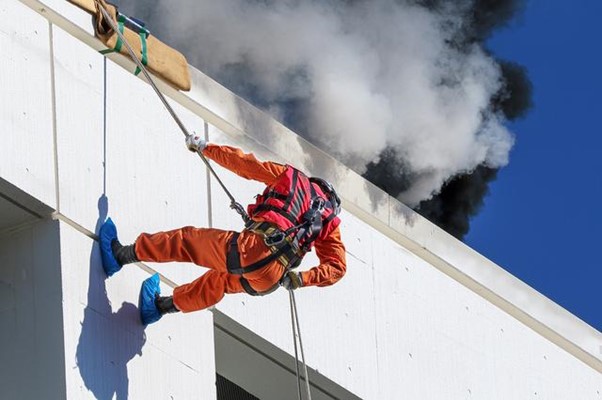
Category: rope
<point>297,333</point>
<point>233,203</point>
<point>293,326</point>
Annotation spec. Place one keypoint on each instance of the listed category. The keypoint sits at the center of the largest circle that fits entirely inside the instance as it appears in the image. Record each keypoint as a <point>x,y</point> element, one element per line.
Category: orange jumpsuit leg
<point>202,246</point>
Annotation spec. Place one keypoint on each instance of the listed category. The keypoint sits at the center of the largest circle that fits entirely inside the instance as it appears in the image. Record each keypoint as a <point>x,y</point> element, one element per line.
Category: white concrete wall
<point>86,150</point>
<point>108,351</point>
<point>418,315</point>
<point>26,112</point>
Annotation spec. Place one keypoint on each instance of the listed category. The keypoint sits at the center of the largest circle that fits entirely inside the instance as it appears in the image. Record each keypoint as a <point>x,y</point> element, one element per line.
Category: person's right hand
<point>195,143</point>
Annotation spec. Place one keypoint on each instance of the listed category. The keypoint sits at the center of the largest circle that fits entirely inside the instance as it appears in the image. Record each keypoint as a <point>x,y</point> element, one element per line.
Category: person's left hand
<point>291,280</point>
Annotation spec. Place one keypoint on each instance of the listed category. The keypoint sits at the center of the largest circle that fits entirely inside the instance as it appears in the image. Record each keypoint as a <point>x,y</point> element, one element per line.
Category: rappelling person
<point>294,214</point>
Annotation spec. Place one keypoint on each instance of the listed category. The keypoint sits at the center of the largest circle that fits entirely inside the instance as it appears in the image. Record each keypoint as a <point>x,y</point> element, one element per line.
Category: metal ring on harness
<point>275,239</point>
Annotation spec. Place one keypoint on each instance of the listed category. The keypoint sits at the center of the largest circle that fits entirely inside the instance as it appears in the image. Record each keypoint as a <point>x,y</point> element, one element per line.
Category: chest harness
<point>290,215</point>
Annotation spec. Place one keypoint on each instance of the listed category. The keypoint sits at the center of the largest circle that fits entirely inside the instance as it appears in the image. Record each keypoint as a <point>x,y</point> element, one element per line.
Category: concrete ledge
<point>258,358</point>
<point>26,206</point>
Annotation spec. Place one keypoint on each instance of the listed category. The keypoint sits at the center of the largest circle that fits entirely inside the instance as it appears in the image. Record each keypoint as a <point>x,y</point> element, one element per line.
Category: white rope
<point>297,333</point>
<point>293,326</point>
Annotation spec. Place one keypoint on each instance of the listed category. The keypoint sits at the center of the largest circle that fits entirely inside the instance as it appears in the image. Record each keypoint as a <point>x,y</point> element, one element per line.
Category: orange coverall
<point>208,247</point>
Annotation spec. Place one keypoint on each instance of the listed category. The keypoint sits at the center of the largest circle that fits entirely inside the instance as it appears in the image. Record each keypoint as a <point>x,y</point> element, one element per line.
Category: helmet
<point>329,191</point>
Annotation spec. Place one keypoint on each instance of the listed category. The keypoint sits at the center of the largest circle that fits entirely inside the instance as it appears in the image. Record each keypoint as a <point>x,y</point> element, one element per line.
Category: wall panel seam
<point>208,174</point>
<point>54,119</point>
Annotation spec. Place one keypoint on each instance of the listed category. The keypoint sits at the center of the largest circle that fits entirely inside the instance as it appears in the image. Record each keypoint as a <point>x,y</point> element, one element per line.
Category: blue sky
<point>542,220</point>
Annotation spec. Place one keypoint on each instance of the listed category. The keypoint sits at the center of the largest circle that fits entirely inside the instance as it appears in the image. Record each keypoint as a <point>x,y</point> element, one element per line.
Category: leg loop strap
<point>234,267</point>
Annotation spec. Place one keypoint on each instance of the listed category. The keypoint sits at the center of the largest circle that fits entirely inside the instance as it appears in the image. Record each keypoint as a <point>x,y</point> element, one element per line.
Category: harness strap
<point>267,207</point>
<point>299,197</point>
<point>287,203</point>
<point>316,225</point>
<point>332,215</point>
<point>262,263</point>
<point>233,256</point>
<point>263,227</point>
<point>234,267</point>
<point>290,258</point>
<point>247,286</point>
<point>275,195</point>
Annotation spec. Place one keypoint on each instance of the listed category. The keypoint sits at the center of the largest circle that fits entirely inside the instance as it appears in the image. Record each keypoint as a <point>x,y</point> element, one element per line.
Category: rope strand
<point>234,204</point>
<point>296,314</point>
<point>293,326</point>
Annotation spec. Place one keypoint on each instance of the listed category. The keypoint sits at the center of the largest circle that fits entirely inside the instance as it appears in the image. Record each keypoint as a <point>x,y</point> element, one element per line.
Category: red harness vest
<point>297,212</point>
<point>289,200</point>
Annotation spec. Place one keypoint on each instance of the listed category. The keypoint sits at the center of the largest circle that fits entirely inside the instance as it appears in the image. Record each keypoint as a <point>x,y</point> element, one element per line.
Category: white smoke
<point>372,74</point>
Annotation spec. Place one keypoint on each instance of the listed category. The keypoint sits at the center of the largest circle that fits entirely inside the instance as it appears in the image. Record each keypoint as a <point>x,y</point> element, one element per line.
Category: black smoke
<point>480,17</point>
<point>462,197</point>
<point>515,99</point>
<point>389,173</point>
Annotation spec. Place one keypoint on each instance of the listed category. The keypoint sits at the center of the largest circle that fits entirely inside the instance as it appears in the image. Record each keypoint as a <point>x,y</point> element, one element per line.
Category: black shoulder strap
<point>233,256</point>
<point>267,207</point>
<point>291,191</point>
<point>332,215</point>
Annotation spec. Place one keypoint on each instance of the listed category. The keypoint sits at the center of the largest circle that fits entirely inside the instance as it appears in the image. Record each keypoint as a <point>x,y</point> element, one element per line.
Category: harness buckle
<point>274,239</point>
<point>318,204</point>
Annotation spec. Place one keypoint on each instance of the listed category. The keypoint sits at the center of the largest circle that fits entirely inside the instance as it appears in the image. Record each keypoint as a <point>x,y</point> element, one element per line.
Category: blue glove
<point>291,280</point>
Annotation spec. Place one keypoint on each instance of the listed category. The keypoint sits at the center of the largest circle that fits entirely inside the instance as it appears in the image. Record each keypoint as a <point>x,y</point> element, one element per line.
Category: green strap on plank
<point>143,52</point>
<point>119,44</point>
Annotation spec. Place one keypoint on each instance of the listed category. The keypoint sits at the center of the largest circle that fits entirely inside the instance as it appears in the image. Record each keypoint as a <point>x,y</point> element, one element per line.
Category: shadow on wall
<point>108,340</point>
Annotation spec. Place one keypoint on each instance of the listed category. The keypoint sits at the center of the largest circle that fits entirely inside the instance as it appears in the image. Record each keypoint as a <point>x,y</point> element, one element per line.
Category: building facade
<point>419,315</point>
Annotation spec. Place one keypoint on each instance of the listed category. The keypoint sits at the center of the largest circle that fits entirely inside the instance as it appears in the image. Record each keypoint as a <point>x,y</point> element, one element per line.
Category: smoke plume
<point>402,91</point>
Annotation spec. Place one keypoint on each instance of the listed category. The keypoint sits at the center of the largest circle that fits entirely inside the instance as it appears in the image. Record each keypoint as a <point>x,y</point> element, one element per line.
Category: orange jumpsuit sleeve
<point>333,265</point>
<point>243,164</point>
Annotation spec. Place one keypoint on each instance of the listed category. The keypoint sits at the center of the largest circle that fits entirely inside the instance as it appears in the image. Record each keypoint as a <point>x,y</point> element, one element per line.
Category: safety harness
<point>289,220</point>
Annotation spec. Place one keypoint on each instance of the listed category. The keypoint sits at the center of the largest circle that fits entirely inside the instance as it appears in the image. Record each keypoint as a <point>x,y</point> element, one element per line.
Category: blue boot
<point>108,234</point>
<point>150,289</point>
<point>114,254</point>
